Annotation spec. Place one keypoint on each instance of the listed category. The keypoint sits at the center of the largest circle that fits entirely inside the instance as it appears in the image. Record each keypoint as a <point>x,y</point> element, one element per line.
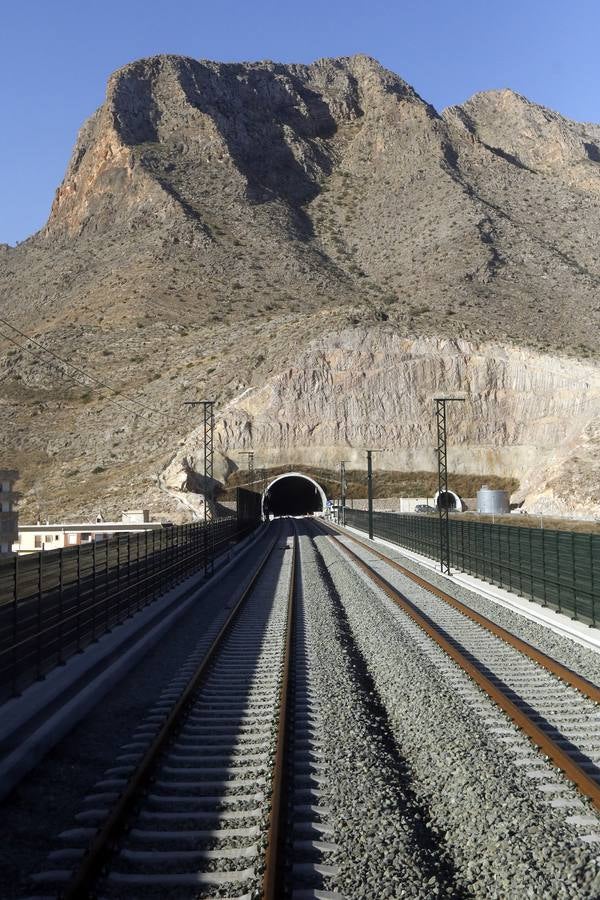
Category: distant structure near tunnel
<point>9,517</point>
<point>293,494</point>
<point>492,502</point>
<point>448,500</point>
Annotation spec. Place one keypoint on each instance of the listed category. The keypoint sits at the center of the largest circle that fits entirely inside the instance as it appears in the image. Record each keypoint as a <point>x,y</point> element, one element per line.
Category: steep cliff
<point>273,231</point>
<point>524,415</point>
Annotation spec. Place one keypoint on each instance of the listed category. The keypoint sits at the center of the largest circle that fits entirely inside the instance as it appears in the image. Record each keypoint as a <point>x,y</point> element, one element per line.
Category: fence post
<point>558,573</point>
<point>530,532</point>
<point>94,590</point>
<point>38,645</point>
<point>119,604</point>
<point>129,574</point>
<point>508,551</point>
<point>205,547</point>
<point>593,596</point>
<point>15,628</point>
<point>574,579</point>
<point>155,585</point>
<point>61,585</point>
<point>146,567</point>
<point>370,492</point>
<point>78,616</point>
<point>107,589</point>
<point>138,591</point>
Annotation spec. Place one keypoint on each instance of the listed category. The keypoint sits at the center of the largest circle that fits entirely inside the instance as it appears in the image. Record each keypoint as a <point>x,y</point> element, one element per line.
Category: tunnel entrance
<point>293,494</point>
<point>448,500</point>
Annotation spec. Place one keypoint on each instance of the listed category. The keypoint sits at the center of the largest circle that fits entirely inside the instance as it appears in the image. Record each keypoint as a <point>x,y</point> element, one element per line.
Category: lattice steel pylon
<point>209,449</point>
<point>370,489</point>
<point>209,453</point>
<point>250,455</point>
<point>442,501</point>
<point>343,491</point>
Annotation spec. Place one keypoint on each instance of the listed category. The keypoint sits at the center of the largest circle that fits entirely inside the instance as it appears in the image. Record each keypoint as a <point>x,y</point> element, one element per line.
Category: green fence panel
<point>559,569</point>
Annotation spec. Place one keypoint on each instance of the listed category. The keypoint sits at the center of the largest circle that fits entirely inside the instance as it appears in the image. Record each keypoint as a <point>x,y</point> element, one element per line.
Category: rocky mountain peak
<point>271,125</point>
<point>219,220</point>
<point>534,136</point>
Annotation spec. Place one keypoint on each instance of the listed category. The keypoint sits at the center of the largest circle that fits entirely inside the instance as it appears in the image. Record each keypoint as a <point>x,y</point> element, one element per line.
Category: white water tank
<point>492,502</point>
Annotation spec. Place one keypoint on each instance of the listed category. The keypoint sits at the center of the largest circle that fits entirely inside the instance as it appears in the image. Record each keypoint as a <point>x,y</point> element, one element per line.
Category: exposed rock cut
<point>524,414</point>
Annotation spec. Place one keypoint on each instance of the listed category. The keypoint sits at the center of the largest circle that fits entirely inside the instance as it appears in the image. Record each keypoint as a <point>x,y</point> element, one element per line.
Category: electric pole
<point>250,455</point>
<point>262,475</point>
<point>343,490</point>
<point>209,434</point>
<point>370,489</point>
<point>442,501</point>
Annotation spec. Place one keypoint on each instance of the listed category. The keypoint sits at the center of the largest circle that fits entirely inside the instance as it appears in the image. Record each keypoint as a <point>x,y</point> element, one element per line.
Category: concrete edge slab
<point>578,632</point>
<point>34,722</point>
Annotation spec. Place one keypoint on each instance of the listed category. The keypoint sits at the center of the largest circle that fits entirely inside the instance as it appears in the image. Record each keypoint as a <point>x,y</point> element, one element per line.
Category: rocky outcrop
<point>524,415</point>
<point>532,137</point>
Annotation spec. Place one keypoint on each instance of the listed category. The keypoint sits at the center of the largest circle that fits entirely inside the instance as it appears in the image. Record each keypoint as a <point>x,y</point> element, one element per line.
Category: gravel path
<point>504,837</point>
<point>569,653</point>
<point>46,801</point>
<point>387,845</point>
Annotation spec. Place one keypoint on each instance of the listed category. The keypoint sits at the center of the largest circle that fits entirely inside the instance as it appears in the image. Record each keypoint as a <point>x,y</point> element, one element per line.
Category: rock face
<point>525,415</point>
<point>323,243</point>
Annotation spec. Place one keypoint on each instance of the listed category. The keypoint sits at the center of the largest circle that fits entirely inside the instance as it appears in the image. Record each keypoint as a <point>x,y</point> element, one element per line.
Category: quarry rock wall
<point>532,417</point>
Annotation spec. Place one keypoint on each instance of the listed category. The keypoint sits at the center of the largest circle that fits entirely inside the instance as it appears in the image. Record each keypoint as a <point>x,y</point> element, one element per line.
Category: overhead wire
<point>77,369</point>
<point>62,372</point>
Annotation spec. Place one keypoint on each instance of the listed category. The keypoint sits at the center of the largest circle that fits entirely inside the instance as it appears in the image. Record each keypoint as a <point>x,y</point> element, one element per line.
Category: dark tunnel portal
<point>446,500</point>
<point>292,496</point>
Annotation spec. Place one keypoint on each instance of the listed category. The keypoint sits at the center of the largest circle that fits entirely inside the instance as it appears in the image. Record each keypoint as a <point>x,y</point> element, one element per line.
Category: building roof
<point>91,526</point>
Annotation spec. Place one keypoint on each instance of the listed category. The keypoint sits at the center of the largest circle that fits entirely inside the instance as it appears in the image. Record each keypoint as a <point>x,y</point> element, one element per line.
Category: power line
<point>77,369</point>
<point>68,375</point>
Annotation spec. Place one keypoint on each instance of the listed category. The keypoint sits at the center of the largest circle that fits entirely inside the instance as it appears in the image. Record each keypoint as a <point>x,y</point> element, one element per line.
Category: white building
<point>39,537</point>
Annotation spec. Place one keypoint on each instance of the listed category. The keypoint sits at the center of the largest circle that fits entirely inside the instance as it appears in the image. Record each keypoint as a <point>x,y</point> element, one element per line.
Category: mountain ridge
<point>216,218</point>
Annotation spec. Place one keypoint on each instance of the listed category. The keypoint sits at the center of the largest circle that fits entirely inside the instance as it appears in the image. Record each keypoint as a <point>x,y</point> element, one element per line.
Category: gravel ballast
<point>578,658</point>
<point>504,838</point>
<point>387,847</point>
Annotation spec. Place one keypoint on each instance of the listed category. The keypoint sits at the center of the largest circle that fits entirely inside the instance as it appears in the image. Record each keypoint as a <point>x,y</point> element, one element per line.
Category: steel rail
<point>271,885</point>
<point>586,687</point>
<point>104,841</point>
<point>580,778</point>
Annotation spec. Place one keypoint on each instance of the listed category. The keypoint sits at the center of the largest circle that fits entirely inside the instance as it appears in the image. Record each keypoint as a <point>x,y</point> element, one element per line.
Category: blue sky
<point>56,55</point>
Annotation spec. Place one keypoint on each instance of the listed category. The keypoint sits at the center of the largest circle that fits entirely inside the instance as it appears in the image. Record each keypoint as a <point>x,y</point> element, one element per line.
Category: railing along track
<point>97,858</point>
<point>587,784</point>
<point>83,592</point>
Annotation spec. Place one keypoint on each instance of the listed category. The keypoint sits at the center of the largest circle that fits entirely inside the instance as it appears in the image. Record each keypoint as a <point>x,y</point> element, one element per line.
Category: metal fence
<point>559,569</point>
<point>55,603</point>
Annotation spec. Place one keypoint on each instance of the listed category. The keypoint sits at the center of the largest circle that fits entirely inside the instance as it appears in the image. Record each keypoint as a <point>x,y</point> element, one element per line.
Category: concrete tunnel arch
<point>449,499</point>
<point>291,484</point>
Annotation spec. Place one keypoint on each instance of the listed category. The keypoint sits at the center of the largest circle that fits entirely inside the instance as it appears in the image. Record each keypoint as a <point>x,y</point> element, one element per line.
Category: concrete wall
<point>391,504</point>
<point>403,504</point>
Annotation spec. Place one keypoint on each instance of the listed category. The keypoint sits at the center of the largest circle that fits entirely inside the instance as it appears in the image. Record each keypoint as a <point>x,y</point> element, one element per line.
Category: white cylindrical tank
<point>492,502</point>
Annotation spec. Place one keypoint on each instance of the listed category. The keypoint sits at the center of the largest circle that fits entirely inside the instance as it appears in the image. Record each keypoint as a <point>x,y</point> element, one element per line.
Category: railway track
<point>276,763</point>
<point>193,804</point>
<point>554,706</point>
<point>200,801</point>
